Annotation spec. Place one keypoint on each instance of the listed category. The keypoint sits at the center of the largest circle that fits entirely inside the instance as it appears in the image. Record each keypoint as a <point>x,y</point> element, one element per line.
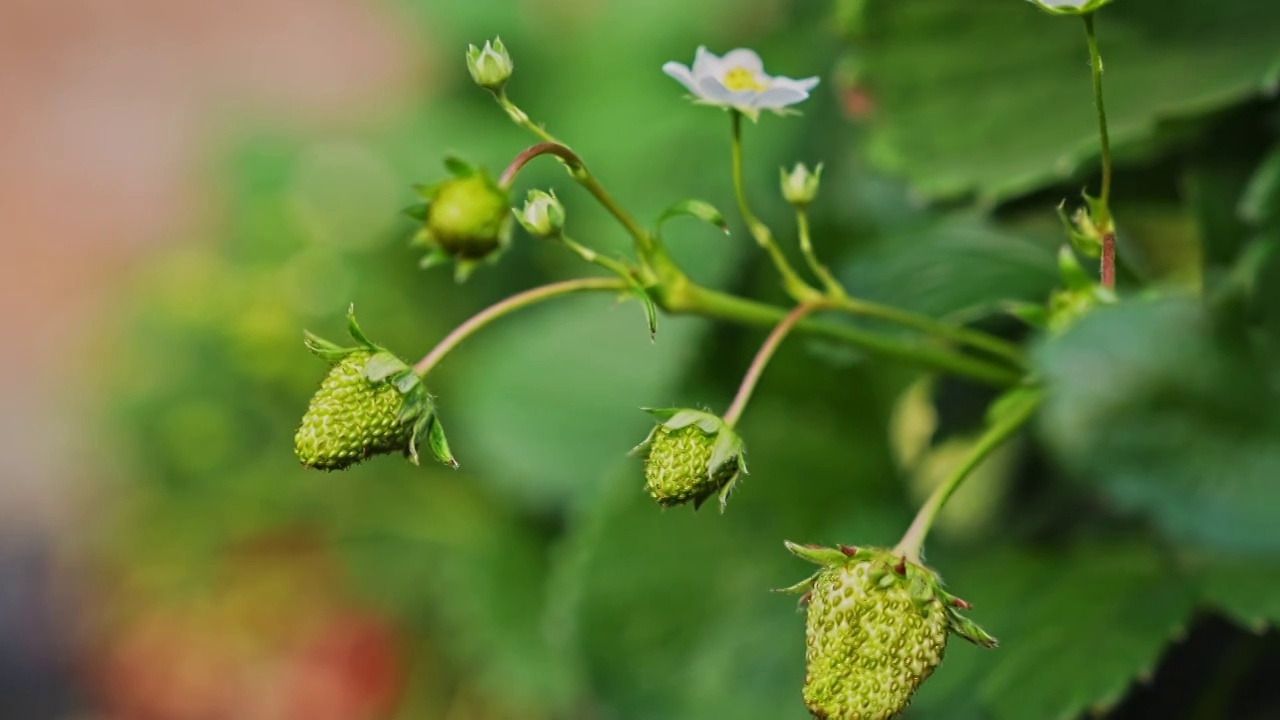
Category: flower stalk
<point>794,285</point>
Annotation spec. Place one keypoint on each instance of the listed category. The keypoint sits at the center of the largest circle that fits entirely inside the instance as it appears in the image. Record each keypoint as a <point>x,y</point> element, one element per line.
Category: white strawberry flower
<point>738,81</point>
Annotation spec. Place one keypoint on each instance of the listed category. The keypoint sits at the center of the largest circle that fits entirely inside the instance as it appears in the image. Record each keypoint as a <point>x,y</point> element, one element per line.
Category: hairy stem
<point>794,285</point>
<point>913,541</point>
<point>1103,221</point>
<point>761,360</point>
<point>508,306</point>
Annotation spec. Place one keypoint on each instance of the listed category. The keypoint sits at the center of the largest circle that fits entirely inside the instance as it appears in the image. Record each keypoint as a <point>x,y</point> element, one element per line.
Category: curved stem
<point>833,286</point>
<point>507,306</point>
<point>688,298</point>
<point>796,287</point>
<point>761,360</point>
<point>975,339</point>
<point>577,170</point>
<point>913,541</point>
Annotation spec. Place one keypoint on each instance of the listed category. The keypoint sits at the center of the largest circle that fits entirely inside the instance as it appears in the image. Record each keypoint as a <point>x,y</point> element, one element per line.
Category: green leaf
<point>992,97</point>
<point>1246,592</point>
<point>1168,416</point>
<point>438,444</point>
<point>353,328</point>
<point>383,365</point>
<point>322,348</point>
<point>956,266</point>
<point>1261,201</point>
<point>699,209</point>
<point>1076,629</point>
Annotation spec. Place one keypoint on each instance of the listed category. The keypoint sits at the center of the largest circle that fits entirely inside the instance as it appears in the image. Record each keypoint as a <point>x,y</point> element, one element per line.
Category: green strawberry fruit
<point>876,627</point>
<point>370,403</point>
<point>691,456</point>
<point>350,418</point>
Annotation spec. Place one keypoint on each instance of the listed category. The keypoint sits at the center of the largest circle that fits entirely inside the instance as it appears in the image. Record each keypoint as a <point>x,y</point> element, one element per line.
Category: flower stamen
<point>740,78</point>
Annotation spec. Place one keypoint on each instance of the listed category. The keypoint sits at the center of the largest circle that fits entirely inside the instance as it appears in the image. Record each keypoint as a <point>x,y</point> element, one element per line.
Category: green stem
<point>973,338</point>
<point>761,360</point>
<point>577,170</point>
<point>507,306</point>
<point>833,286</point>
<point>614,266</point>
<point>796,287</point>
<point>1095,65</point>
<point>688,298</point>
<point>913,541</point>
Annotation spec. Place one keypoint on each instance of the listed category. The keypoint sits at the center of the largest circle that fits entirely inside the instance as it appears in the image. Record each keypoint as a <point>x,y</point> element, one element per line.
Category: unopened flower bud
<point>542,215</point>
<point>491,65</point>
<point>800,186</point>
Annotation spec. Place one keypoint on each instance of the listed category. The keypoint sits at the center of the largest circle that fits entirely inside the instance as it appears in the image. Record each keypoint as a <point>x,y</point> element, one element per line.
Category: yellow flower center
<point>740,78</point>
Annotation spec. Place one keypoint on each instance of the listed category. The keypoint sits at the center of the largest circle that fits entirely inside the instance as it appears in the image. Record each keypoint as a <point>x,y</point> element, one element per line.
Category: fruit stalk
<point>1000,430</point>
<point>507,306</point>
<point>762,358</point>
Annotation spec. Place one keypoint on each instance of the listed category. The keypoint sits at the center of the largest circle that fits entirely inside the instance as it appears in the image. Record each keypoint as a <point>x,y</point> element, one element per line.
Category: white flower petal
<point>804,85</point>
<point>705,64</point>
<point>744,58</point>
<point>681,74</point>
<point>713,91</point>
<point>778,96</point>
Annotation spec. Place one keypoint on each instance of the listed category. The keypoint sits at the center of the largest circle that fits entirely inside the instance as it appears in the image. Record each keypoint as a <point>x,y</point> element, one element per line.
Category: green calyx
<point>466,218</point>
<point>876,626</point>
<point>691,455</point>
<point>370,403</point>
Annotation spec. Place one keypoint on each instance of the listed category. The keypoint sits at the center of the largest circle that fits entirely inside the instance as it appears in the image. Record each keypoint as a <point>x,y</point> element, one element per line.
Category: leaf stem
<point>1001,430</point>
<point>506,307</point>
<point>762,358</point>
<point>794,285</point>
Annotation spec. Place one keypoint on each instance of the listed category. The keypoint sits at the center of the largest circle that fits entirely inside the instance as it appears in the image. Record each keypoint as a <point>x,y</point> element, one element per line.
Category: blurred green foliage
<point>539,578</point>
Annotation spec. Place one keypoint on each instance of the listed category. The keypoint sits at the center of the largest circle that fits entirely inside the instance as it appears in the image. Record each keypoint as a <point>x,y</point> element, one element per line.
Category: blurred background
<point>185,186</point>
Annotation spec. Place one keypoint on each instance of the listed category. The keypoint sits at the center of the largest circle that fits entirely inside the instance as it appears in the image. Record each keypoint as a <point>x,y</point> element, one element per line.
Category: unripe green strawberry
<point>466,218</point>
<point>876,627</point>
<point>369,404</point>
<point>350,418</point>
<point>691,456</point>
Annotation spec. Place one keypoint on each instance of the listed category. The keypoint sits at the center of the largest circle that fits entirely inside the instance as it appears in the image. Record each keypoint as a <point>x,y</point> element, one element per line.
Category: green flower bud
<point>691,455</point>
<point>464,218</point>
<point>542,215</point>
<point>800,186</point>
<point>875,628</point>
<point>1069,7</point>
<point>370,403</point>
<point>491,66</point>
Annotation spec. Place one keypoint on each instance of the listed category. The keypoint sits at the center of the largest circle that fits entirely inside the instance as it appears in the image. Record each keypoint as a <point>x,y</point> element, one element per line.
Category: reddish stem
<point>533,151</point>
<point>1109,260</point>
